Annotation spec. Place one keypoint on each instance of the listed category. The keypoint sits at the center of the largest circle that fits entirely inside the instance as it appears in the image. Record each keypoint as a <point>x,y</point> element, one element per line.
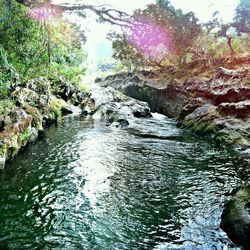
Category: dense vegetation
<point>53,48</point>
<point>207,43</point>
<point>30,48</point>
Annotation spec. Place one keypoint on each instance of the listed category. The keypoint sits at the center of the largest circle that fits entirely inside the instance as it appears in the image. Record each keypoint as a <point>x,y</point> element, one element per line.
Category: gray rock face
<point>168,98</point>
<point>198,103</point>
<point>2,161</point>
<point>235,219</point>
<point>70,93</point>
<point>114,107</point>
<point>36,106</point>
<point>238,109</point>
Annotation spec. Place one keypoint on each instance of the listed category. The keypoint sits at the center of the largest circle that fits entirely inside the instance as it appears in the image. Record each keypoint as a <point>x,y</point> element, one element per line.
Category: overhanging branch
<point>110,15</point>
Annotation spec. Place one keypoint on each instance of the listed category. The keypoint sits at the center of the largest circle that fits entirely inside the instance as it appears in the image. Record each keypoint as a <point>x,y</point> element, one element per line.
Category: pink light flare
<point>43,12</point>
<point>151,40</point>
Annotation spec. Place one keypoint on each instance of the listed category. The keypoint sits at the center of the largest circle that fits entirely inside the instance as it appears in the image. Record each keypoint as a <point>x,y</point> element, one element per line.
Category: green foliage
<point>37,49</point>
<point>6,105</point>
<point>24,136</point>
<point>71,74</point>
<point>21,38</point>
<point>5,74</point>
<point>242,18</point>
<point>184,30</point>
<point>84,88</point>
<point>125,53</point>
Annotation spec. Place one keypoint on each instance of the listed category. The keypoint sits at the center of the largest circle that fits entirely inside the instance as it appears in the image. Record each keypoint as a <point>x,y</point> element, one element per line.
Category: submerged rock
<point>235,219</point>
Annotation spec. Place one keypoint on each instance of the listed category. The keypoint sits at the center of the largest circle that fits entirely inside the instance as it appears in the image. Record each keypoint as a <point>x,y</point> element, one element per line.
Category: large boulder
<point>167,98</point>
<point>213,106</point>
<point>218,90</point>
<point>113,106</point>
<point>235,219</point>
<point>41,86</point>
<point>69,93</point>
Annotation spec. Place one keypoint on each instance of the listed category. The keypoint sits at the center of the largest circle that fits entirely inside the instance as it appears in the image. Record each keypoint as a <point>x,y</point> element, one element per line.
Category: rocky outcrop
<point>219,106</point>
<point>117,108</point>
<point>235,219</point>
<point>168,98</point>
<point>36,105</point>
<point>39,103</point>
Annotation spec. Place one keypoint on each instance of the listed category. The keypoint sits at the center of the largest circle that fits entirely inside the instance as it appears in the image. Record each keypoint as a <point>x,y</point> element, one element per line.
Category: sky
<point>96,32</point>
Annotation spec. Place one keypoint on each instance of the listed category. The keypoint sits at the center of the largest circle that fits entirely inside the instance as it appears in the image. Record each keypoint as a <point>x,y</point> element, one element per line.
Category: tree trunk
<point>229,43</point>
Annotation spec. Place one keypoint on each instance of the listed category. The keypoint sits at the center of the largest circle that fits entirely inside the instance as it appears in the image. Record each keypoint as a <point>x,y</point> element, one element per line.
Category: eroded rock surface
<point>236,217</point>
<point>220,105</point>
<point>36,105</point>
<point>117,108</point>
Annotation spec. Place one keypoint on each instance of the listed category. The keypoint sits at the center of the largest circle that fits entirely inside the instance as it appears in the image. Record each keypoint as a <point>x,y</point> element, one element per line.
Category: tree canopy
<point>242,17</point>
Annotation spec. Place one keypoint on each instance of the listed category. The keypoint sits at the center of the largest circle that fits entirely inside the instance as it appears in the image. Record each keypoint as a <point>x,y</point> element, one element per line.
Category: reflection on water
<point>85,185</point>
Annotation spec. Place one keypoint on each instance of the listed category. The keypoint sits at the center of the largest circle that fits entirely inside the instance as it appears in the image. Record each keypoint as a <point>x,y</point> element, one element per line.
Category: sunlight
<point>150,40</point>
<point>43,12</point>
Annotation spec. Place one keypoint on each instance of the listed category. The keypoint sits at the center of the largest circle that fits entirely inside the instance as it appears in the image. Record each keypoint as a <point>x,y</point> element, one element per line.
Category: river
<point>86,185</point>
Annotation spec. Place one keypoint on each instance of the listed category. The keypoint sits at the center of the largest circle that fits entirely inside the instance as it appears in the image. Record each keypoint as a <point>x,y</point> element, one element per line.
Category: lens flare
<point>151,40</point>
<point>43,12</point>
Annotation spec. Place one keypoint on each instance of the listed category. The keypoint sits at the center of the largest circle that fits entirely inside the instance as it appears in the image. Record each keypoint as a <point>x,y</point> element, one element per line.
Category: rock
<point>235,219</point>
<point>201,119</point>
<point>3,159</point>
<point>25,95</point>
<point>69,93</point>
<point>71,109</point>
<point>88,106</point>
<point>120,123</point>
<point>230,74</point>
<point>218,90</point>
<point>238,109</point>
<point>36,114</point>
<point>233,130</point>
<point>1,122</point>
<point>161,98</point>
<point>116,108</point>
<point>40,85</point>
<point>33,135</point>
<point>191,106</point>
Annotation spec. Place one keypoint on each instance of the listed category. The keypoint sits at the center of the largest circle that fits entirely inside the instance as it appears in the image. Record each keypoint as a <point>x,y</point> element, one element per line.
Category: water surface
<point>86,185</point>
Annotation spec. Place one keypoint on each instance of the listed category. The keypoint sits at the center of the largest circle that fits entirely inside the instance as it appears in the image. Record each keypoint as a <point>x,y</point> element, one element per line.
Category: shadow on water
<point>85,185</point>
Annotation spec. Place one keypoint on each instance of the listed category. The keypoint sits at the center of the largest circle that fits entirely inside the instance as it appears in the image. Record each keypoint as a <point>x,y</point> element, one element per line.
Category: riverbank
<point>41,103</point>
<point>31,108</point>
<point>218,106</point>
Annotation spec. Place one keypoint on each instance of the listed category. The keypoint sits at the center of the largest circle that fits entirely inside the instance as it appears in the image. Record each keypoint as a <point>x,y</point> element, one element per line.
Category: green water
<point>85,185</point>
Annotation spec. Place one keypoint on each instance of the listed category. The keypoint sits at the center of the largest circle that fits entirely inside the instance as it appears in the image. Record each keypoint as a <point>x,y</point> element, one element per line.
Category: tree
<point>37,47</point>
<point>226,31</point>
<point>158,34</point>
<point>105,14</point>
<point>125,53</point>
<point>242,17</point>
<point>185,27</point>
<point>220,29</point>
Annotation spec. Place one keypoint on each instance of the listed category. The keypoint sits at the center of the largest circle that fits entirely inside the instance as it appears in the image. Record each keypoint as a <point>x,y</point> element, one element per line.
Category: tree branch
<point>109,15</point>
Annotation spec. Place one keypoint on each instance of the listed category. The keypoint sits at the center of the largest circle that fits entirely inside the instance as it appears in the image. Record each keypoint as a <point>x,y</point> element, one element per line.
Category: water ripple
<point>88,186</point>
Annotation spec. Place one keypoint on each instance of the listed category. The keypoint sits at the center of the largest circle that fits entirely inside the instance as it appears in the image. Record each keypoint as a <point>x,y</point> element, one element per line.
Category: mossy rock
<point>236,217</point>
<point>37,116</point>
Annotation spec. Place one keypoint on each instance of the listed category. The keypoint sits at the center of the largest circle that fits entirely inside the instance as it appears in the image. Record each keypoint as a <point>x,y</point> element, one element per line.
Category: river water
<point>86,185</point>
